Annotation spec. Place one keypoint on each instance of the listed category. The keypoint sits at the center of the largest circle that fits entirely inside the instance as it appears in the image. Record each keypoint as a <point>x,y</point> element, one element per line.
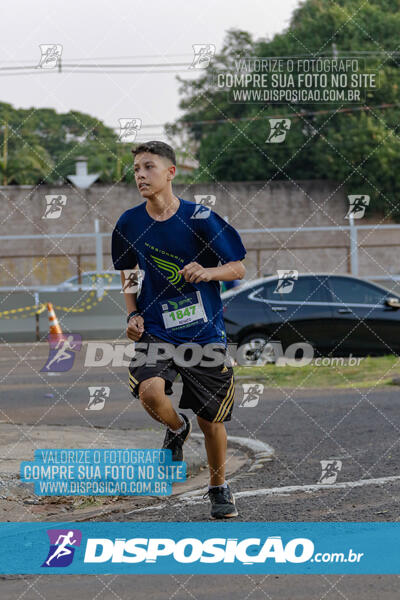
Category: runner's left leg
<point>216,443</point>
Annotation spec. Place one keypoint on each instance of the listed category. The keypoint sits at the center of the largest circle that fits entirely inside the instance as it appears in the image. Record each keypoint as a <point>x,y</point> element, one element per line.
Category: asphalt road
<point>360,428</point>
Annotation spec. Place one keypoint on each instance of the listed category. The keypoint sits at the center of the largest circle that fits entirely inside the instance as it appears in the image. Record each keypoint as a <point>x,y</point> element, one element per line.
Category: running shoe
<point>175,441</point>
<point>222,503</point>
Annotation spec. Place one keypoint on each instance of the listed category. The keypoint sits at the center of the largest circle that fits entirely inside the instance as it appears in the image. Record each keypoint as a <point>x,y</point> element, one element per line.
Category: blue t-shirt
<point>173,309</point>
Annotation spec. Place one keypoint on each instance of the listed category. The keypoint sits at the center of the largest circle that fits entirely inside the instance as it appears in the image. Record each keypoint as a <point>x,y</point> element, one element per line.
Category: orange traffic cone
<point>54,325</point>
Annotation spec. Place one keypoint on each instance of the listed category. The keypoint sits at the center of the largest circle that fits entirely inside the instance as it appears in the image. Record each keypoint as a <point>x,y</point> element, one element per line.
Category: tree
<point>42,145</point>
<point>358,148</point>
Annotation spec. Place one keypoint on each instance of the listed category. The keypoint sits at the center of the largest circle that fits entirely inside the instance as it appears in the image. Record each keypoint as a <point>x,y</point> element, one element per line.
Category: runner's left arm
<point>194,272</point>
<point>222,240</point>
<point>229,271</point>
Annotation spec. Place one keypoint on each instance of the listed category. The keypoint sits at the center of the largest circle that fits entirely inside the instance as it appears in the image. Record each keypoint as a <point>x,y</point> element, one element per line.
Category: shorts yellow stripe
<point>132,377</point>
<point>224,401</point>
<point>227,408</point>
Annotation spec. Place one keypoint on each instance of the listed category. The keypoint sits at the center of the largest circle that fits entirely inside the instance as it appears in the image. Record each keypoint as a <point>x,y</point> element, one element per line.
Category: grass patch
<point>370,372</point>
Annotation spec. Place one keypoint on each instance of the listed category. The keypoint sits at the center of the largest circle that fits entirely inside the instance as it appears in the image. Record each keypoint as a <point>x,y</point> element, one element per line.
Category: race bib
<point>183,310</point>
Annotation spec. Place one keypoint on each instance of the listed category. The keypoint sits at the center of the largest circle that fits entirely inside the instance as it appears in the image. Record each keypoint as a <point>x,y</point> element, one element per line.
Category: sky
<point>128,31</point>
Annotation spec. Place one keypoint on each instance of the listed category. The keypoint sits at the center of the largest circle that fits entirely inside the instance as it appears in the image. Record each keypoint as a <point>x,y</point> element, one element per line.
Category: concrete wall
<point>247,205</point>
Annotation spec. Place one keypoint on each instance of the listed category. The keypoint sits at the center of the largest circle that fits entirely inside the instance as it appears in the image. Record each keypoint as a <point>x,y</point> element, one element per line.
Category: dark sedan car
<point>335,314</point>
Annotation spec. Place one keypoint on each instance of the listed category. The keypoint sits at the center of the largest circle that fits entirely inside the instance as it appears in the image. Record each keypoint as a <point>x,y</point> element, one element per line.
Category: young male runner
<point>179,303</point>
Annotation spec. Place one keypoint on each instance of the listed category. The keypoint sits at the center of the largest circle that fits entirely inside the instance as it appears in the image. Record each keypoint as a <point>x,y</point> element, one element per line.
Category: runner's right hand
<point>135,328</point>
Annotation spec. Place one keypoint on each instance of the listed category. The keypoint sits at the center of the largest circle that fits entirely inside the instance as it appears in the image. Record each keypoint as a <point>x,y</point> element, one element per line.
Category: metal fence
<point>22,313</point>
<point>352,248</point>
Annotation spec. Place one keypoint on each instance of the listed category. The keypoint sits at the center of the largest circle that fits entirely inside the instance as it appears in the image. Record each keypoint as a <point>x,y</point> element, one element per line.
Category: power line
<point>96,66</point>
<point>291,115</point>
<point>93,72</point>
<point>274,115</point>
<point>16,60</point>
<point>116,66</point>
<point>112,65</point>
<point>117,72</point>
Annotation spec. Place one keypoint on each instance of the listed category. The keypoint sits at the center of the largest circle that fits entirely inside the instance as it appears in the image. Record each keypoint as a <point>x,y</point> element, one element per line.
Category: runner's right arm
<point>135,327</point>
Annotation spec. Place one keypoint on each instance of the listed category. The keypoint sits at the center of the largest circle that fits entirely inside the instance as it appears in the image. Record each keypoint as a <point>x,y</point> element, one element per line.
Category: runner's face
<point>152,173</point>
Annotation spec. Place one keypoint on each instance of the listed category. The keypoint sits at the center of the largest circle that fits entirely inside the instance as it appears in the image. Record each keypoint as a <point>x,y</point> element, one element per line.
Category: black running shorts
<point>207,390</point>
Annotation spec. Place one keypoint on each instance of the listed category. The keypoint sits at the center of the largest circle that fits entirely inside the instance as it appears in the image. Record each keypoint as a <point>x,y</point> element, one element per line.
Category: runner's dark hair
<point>155,147</point>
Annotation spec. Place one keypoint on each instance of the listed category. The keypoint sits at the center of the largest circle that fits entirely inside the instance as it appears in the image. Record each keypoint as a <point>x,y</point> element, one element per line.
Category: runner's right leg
<point>157,404</point>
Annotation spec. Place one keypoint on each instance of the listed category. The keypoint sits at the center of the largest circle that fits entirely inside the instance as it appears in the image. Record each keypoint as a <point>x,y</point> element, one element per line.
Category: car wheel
<point>256,349</point>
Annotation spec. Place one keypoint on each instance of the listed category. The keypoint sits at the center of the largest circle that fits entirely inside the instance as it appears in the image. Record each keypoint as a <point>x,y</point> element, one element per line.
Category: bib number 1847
<point>183,312</point>
<point>185,315</point>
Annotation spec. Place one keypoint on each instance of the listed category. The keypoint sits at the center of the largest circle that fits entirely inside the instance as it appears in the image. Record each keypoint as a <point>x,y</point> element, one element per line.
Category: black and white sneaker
<point>222,503</point>
<point>175,441</point>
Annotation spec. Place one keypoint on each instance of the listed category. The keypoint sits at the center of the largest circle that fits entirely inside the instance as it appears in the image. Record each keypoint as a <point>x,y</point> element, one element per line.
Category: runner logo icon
<point>62,351</point>
<point>62,547</point>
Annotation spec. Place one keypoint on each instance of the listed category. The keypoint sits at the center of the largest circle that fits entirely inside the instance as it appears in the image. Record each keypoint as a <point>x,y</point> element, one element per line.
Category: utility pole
<point>5,153</point>
<point>118,165</point>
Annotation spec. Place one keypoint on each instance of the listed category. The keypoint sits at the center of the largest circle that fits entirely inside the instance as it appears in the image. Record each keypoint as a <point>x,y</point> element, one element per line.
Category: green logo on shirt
<point>169,267</point>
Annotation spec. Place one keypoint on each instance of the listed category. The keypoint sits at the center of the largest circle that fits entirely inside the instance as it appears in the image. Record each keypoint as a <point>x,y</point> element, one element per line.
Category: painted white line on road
<point>194,497</point>
<point>262,452</point>
<point>290,489</point>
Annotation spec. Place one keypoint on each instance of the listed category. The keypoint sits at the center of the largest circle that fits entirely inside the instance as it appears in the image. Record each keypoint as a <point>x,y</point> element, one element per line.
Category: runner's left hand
<point>194,273</point>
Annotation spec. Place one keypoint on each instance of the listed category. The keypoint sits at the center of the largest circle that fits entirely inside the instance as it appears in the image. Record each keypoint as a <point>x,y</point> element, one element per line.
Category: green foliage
<point>359,149</point>
<point>42,145</point>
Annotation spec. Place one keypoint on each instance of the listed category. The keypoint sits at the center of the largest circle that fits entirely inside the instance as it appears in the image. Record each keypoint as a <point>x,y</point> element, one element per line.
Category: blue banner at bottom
<point>208,548</point>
